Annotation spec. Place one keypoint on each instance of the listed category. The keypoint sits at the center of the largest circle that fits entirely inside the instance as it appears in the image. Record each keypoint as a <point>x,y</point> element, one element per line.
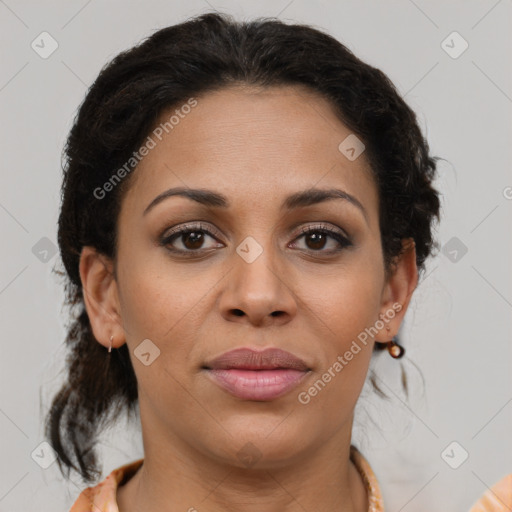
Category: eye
<point>316,238</point>
<point>191,238</point>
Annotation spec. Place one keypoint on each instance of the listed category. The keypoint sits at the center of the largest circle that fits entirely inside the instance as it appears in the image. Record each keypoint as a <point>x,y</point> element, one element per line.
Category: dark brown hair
<point>120,109</point>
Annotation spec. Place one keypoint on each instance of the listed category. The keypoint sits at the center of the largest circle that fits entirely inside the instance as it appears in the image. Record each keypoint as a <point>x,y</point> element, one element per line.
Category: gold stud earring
<point>395,350</point>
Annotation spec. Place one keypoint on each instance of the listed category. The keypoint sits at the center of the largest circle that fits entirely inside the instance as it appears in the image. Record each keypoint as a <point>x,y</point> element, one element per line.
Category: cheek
<point>157,300</point>
<point>349,307</point>
<point>164,309</point>
<point>167,306</point>
<point>347,349</point>
<point>349,302</point>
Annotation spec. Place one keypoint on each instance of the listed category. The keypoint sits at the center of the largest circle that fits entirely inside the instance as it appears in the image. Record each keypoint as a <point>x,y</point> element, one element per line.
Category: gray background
<point>458,328</point>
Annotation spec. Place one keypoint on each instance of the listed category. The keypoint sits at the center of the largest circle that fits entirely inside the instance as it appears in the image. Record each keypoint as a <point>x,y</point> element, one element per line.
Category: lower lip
<point>257,384</point>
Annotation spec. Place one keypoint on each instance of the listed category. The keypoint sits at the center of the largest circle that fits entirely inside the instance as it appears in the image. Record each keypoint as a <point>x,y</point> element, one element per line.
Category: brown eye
<point>193,239</point>
<point>317,238</point>
<point>189,239</point>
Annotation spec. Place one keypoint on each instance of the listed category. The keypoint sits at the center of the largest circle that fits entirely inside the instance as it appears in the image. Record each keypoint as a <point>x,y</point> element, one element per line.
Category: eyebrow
<point>297,200</point>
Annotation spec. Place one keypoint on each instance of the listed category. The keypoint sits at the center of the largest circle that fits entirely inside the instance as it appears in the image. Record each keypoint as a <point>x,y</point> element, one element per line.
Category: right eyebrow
<point>296,200</point>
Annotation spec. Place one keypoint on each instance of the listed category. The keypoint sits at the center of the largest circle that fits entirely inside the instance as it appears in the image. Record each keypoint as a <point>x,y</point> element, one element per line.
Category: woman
<point>246,210</point>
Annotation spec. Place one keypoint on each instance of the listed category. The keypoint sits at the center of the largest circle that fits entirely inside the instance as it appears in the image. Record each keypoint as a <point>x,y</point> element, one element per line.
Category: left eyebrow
<point>296,200</point>
<point>202,196</point>
<point>319,195</point>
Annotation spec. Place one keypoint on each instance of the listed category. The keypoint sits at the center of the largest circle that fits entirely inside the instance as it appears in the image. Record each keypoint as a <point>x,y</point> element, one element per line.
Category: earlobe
<point>398,290</point>
<point>100,295</point>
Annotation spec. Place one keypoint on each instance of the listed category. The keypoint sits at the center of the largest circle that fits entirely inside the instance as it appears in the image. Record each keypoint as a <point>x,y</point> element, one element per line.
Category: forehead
<point>251,144</point>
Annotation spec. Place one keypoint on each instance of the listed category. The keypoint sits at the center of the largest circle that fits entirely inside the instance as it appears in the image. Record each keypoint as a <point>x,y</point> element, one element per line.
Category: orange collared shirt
<point>102,497</point>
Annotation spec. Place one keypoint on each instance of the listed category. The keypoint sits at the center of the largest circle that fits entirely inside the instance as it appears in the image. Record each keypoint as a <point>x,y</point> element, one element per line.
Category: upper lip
<point>250,359</point>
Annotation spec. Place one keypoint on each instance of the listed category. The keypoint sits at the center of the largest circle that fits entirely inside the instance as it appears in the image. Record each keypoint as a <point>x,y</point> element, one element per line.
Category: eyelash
<point>319,228</point>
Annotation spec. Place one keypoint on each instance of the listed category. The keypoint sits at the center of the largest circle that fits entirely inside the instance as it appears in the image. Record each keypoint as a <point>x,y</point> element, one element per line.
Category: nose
<point>258,292</point>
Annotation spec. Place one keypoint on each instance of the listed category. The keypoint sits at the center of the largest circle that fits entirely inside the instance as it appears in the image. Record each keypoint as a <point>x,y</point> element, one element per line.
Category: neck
<point>184,480</point>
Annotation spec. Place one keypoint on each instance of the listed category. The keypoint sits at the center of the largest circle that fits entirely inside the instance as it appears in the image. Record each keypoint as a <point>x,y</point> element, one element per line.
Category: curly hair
<point>203,54</point>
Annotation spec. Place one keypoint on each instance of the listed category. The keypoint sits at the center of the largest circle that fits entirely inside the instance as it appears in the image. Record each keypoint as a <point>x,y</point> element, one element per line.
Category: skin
<point>255,146</point>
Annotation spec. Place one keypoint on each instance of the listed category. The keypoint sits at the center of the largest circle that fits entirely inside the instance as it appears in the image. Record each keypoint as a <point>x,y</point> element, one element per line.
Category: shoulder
<point>496,499</point>
<point>103,495</point>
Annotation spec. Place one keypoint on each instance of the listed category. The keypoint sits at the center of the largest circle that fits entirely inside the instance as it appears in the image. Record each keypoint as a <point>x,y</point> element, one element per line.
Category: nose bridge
<point>257,236</point>
<point>255,262</point>
<point>255,285</point>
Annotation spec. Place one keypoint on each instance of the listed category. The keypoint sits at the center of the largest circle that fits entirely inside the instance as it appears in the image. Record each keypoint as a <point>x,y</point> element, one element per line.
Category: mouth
<point>257,375</point>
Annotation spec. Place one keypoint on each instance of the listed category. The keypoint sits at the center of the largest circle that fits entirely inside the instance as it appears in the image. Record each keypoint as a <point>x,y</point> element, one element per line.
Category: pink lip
<point>257,375</point>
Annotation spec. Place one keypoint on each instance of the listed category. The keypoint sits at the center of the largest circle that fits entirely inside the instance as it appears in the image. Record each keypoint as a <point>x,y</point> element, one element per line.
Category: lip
<point>250,359</point>
<point>257,375</point>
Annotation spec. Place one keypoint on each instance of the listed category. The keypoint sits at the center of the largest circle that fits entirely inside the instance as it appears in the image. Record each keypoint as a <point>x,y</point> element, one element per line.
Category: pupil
<point>320,240</point>
<point>196,239</point>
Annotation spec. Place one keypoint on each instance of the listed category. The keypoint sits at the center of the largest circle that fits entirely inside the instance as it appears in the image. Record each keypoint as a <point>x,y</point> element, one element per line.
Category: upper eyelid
<point>202,226</point>
<point>326,226</point>
<point>189,226</point>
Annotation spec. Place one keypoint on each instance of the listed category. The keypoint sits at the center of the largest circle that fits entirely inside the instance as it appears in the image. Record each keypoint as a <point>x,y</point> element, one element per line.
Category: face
<point>255,269</point>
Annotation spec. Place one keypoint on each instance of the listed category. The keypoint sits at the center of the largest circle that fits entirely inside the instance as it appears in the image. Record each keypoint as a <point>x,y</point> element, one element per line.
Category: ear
<point>100,297</point>
<point>398,290</point>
